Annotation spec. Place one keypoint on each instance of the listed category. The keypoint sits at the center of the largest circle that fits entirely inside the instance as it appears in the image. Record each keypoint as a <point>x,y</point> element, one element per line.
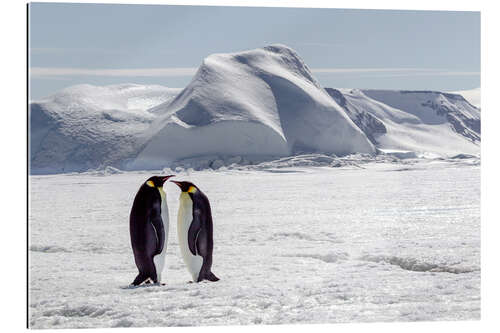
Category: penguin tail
<point>211,277</point>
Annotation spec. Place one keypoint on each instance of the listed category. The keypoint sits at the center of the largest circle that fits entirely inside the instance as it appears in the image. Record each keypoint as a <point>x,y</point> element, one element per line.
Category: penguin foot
<point>211,277</point>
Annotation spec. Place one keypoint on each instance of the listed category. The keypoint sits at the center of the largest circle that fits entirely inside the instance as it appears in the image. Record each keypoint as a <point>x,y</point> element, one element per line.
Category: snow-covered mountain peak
<point>267,58</point>
<point>257,102</point>
<point>123,97</point>
<point>85,126</point>
<point>418,121</point>
<point>242,74</point>
<point>251,106</point>
<point>431,107</point>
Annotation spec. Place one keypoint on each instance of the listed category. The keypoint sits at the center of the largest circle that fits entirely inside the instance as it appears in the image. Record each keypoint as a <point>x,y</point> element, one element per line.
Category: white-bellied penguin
<point>149,224</point>
<point>195,231</point>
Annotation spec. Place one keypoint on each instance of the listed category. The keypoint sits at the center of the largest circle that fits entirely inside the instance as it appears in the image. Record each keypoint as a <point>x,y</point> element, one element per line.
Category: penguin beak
<point>164,179</point>
<point>176,183</point>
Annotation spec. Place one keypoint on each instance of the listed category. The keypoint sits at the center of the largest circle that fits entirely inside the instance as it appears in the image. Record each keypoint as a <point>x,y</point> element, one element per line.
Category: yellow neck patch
<point>150,183</point>
<point>191,189</point>
<point>162,193</point>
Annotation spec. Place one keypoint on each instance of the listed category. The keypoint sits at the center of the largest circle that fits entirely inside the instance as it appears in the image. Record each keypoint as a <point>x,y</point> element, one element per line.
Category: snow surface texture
<point>85,126</point>
<point>424,122</point>
<point>391,241</point>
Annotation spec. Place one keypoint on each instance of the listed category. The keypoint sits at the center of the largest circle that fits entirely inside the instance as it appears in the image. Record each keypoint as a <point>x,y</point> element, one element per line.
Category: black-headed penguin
<point>149,224</point>
<point>195,231</point>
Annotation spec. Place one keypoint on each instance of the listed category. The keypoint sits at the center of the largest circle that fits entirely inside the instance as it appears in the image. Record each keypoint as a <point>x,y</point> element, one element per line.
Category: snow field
<point>379,242</point>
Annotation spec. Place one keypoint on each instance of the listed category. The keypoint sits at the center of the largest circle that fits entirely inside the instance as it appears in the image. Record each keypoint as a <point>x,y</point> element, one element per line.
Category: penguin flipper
<point>157,223</point>
<point>202,243</point>
<point>193,232</point>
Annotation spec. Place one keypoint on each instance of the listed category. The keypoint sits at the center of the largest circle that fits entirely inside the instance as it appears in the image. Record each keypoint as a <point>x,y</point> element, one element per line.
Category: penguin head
<point>186,186</point>
<point>157,181</point>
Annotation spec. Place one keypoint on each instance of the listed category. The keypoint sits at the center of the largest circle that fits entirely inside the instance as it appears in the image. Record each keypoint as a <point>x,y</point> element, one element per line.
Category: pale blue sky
<point>106,44</point>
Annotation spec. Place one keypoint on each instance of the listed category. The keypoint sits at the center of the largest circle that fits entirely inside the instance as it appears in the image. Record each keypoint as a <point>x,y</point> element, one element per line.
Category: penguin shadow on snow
<point>143,285</point>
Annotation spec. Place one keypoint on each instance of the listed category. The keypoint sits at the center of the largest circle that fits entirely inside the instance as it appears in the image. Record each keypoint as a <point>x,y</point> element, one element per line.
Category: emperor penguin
<point>149,224</point>
<point>195,231</point>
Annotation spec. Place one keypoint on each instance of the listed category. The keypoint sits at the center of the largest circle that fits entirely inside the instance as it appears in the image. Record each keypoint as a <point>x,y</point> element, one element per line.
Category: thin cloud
<point>53,72</point>
<point>322,44</point>
<point>394,71</point>
<point>364,70</point>
<point>39,72</point>
<point>436,73</point>
<point>61,51</point>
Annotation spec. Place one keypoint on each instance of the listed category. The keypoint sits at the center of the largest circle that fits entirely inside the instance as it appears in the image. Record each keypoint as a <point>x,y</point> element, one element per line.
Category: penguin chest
<point>159,260</point>
<point>184,219</point>
<point>164,214</point>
